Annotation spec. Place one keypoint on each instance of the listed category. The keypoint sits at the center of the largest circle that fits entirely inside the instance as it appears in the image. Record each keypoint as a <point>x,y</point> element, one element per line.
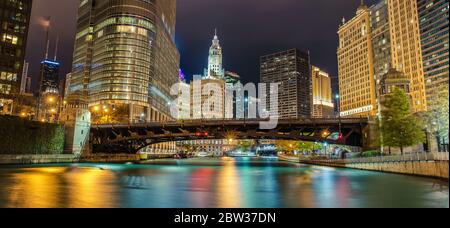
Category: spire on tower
<point>56,47</point>
<point>47,26</point>
<point>361,7</point>
<point>216,38</point>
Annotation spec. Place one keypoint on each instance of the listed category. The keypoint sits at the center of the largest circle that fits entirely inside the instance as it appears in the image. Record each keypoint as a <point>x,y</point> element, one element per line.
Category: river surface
<point>225,183</point>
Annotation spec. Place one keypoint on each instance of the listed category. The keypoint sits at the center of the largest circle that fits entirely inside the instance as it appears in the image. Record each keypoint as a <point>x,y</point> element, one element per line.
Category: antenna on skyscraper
<point>56,47</point>
<point>47,25</point>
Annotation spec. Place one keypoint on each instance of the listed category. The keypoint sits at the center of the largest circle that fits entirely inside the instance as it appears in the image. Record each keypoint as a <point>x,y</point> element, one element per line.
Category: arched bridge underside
<point>130,138</point>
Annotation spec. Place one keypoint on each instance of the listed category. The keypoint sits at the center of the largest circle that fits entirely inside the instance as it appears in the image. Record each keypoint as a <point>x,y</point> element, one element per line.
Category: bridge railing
<point>224,120</point>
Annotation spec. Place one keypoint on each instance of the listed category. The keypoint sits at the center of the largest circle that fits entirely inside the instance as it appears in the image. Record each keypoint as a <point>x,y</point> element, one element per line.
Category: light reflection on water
<point>226,183</point>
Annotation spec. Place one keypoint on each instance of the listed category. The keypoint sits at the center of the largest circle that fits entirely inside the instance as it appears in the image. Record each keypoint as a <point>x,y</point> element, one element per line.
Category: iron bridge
<point>130,138</point>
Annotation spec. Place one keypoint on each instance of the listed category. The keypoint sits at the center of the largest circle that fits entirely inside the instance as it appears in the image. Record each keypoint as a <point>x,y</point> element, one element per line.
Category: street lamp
<point>51,99</point>
<point>325,145</point>
<point>338,103</point>
<point>325,134</point>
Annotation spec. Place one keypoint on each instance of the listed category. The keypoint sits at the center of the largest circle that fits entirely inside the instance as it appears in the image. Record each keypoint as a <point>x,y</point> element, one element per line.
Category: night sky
<point>247,29</point>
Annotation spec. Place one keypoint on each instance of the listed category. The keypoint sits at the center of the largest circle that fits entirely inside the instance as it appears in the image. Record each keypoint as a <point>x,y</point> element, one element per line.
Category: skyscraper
<point>215,63</point>
<point>49,91</point>
<point>291,69</point>
<point>406,48</point>
<point>323,106</point>
<point>49,82</point>
<point>208,99</point>
<point>13,40</point>
<point>381,40</point>
<point>378,39</point>
<point>355,61</point>
<point>125,58</point>
<point>208,90</point>
<point>433,15</point>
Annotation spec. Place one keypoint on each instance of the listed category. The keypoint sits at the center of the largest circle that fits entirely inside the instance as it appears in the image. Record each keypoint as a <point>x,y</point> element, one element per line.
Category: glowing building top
<point>215,67</point>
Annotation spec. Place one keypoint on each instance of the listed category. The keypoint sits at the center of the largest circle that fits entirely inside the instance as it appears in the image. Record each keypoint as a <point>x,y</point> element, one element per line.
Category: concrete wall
<point>105,158</point>
<point>37,159</point>
<point>438,169</point>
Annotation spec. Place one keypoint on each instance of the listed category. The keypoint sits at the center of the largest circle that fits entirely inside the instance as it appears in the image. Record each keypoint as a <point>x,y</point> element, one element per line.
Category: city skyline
<point>193,35</point>
<point>224,104</point>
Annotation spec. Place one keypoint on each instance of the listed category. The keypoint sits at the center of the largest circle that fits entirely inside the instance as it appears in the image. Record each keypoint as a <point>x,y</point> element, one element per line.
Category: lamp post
<point>325,145</point>
<point>338,104</point>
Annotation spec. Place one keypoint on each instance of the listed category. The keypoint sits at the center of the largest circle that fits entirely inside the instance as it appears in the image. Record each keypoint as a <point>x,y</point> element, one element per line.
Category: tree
<point>245,145</point>
<point>307,146</point>
<point>400,128</point>
<point>437,118</point>
<point>286,146</point>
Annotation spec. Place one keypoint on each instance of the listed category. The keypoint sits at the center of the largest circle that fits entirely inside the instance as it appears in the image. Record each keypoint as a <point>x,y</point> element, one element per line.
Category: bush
<point>371,153</point>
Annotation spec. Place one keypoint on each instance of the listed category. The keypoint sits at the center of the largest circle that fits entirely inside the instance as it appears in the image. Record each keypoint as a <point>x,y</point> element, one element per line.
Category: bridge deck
<point>215,122</point>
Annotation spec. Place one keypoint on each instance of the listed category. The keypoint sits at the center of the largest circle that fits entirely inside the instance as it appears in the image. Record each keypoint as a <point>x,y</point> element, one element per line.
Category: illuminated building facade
<point>208,147</point>
<point>237,112</point>
<point>394,79</point>
<point>406,48</point>
<point>381,40</point>
<point>215,62</point>
<point>125,58</point>
<point>208,90</point>
<point>14,23</point>
<point>208,99</point>
<point>377,39</point>
<point>49,93</point>
<point>434,22</point>
<point>355,63</point>
<point>396,44</point>
<point>49,82</point>
<point>323,106</point>
<point>291,69</point>
<point>184,101</point>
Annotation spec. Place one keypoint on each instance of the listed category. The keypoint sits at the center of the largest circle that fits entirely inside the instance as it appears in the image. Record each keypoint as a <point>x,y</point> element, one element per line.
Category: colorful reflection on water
<point>223,183</point>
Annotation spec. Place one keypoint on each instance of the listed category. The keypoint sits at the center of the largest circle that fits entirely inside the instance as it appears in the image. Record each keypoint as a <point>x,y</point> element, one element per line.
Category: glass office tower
<point>125,58</point>
<point>14,23</point>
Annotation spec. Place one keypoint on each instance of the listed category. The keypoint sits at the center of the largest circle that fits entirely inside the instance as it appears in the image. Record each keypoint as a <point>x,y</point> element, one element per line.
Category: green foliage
<point>437,117</point>
<point>308,146</point>
<point>244,145</point>
<point>400,128</point>
<point>371,153</point>
<point>290,146</point>
<point>20,136</point>
<point>287,146</point>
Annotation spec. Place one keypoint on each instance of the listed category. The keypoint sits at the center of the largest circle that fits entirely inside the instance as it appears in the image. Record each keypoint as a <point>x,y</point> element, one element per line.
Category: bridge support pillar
<point>77,123</point>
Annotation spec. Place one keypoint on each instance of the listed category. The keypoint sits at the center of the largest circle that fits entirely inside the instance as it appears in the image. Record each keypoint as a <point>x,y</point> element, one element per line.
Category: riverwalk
<point>417,164</point>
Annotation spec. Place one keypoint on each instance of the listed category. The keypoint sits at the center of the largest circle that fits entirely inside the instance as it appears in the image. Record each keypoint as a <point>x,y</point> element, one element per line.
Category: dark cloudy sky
<point>247,30</point>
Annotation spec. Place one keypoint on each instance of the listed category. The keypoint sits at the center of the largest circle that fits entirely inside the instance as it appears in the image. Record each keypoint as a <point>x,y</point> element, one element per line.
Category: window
<point>7,38</point>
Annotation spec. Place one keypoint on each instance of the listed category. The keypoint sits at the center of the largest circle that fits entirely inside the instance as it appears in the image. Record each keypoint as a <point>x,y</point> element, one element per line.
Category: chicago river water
<point>224,183</point>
